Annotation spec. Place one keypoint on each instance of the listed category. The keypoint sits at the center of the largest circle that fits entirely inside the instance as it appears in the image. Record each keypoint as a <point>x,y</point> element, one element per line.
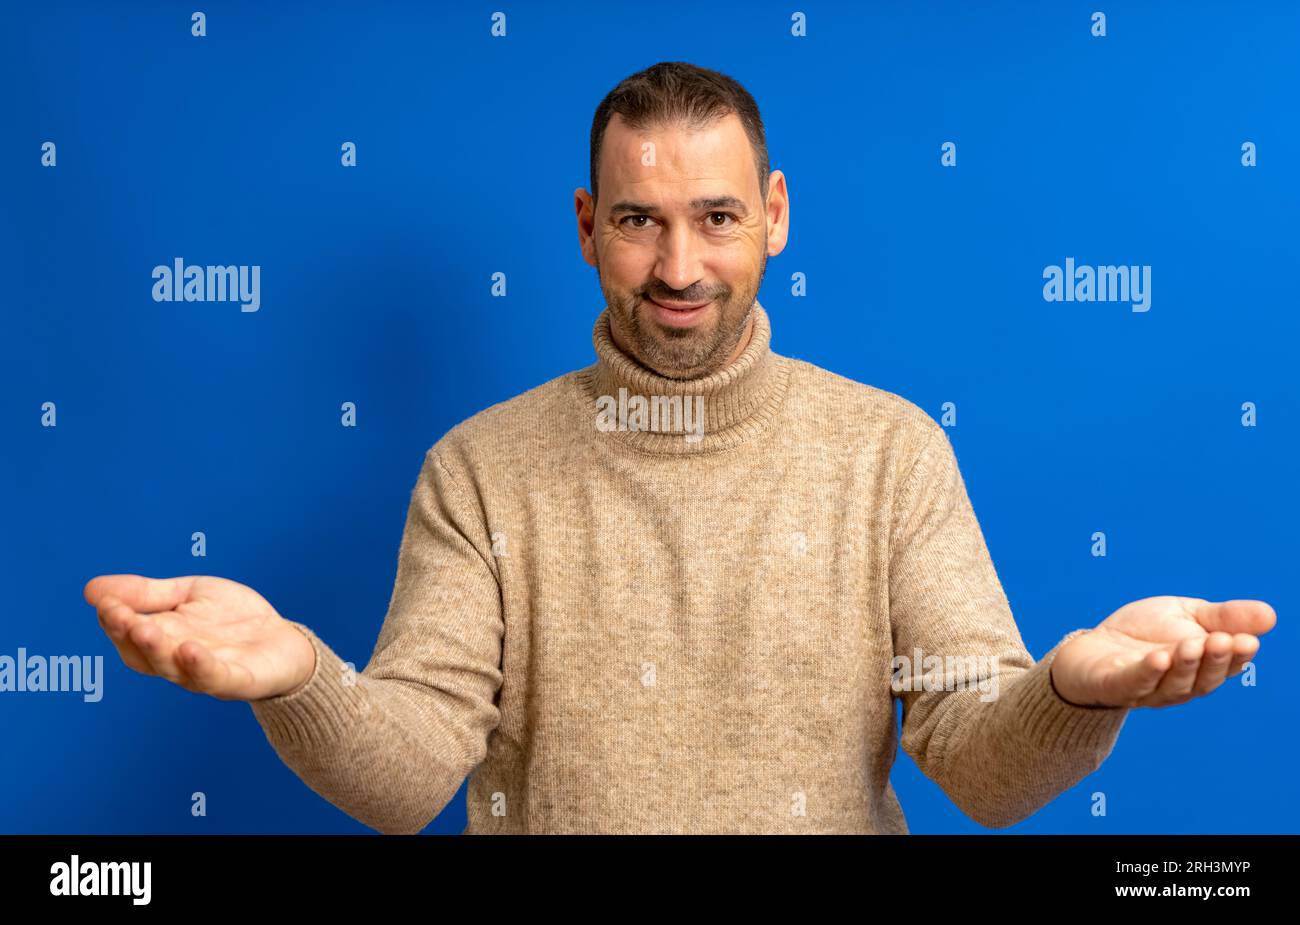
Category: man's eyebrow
<point>628,206</point>
<point>708,202</point>
<point>721,202</point>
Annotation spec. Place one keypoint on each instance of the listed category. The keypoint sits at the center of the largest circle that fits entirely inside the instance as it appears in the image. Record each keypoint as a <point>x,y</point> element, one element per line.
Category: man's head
<point>682,211</point>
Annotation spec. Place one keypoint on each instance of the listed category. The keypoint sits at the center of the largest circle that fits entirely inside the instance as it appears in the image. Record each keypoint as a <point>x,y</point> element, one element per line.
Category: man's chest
<point>635,604</point>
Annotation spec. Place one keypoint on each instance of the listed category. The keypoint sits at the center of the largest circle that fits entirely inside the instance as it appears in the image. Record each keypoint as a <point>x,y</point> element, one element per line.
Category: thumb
<point>141,594</point>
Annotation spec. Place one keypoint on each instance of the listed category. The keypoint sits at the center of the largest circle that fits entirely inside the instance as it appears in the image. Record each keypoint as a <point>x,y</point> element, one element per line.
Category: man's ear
<point>778,213</point>
<point>585,209</point>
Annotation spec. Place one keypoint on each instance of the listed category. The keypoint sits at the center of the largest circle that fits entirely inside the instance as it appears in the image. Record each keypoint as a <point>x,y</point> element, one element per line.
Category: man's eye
<point>646,218</point>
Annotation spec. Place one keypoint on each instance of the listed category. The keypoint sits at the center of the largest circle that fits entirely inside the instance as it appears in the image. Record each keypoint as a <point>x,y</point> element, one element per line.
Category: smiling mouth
<point>680,306</point>
<point>679,316</point>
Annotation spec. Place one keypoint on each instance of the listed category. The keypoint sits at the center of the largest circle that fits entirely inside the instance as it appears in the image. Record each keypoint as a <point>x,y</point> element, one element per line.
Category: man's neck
<point>724,407</point>
<point>745,338</point>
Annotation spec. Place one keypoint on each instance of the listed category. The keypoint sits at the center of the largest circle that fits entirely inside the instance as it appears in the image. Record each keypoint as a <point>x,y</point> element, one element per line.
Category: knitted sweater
<point>636,629</point>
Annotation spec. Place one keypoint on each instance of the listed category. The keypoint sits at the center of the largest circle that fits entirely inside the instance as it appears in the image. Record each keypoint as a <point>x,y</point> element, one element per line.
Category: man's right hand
<point>208,635</point>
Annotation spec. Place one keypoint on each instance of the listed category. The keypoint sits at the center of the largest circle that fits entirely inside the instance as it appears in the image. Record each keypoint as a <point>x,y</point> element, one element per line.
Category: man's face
<point>680,238</point>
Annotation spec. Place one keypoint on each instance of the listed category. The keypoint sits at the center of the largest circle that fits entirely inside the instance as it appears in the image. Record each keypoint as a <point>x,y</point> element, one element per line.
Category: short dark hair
<point>674,91</point>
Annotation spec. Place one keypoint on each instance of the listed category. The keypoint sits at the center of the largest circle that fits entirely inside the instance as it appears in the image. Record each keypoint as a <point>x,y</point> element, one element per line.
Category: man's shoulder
<point>520,425</point>
<point>829,399</point>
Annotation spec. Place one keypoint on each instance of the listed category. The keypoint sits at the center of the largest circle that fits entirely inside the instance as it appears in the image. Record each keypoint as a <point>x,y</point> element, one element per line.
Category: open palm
<point>1160,651</point>
<point>209,635</point>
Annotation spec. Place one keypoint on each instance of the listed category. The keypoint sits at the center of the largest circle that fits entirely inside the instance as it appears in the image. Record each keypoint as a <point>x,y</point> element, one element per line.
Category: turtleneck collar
<point>719,410</point>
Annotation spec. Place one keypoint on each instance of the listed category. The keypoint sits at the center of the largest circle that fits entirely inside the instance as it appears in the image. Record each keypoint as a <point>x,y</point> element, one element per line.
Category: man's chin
<point>669,361</point>
<point>675,352</point>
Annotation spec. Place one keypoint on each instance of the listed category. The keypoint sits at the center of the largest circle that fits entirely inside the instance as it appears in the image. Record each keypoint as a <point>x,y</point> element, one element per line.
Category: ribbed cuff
<point>319,711</point>
<point>1054,723</point>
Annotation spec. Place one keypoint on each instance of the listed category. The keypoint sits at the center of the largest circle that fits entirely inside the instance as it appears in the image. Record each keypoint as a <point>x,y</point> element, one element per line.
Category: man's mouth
<point>678,314</point>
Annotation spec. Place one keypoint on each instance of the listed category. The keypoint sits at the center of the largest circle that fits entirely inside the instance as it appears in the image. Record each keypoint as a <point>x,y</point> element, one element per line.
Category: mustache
<point>683,297</point>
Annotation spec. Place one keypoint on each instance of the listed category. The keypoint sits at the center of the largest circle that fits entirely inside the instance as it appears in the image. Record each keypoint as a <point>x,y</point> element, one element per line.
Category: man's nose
<point>679,258</point>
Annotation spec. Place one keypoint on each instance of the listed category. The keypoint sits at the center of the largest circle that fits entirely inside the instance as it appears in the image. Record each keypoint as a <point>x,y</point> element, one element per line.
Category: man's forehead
<point>678,154</point>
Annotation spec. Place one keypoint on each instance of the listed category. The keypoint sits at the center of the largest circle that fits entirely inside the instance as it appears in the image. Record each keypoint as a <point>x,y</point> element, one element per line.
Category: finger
<point>1176,685</point>
<point>1135,679</point>
<point>115,616</point>
<point>200,670</point>
<point>156,647</point>
<point>142,594</point>
<point>1214,663</point>
<point>1235,616</point>
<point>116,632</point>
<point>1244,648</point>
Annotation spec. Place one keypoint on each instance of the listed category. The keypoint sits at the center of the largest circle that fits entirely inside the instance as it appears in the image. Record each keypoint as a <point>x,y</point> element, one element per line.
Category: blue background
<point>925,281</point>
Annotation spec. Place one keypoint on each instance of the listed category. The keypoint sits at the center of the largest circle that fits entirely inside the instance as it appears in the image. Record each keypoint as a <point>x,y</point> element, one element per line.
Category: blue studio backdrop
<point>940,159</point>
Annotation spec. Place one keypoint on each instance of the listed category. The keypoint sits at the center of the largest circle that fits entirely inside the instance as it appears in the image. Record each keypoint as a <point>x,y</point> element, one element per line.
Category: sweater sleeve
<point>390,745</point>
<point>981,718</point>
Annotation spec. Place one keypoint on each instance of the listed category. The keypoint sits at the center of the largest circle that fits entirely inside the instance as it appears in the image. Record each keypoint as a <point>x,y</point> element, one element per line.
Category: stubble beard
<point>681,353</point>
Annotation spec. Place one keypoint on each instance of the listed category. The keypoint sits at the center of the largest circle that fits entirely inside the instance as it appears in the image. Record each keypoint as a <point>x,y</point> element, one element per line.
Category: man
<point>681,589</point>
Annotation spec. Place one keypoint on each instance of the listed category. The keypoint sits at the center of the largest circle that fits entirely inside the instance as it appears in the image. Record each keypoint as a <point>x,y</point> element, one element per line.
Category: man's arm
<point>391,745</point>
<point>994,734</point>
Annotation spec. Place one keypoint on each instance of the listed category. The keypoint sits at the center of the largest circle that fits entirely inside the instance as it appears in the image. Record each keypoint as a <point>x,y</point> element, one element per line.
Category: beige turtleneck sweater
<point>622,631</point>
